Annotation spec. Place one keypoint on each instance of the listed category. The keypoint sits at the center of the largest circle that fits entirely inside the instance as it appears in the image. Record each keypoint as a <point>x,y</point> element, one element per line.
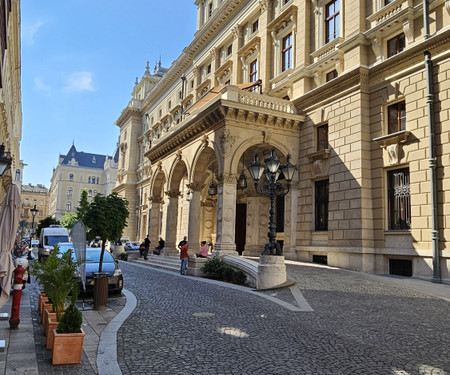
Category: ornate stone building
<point>356,92</point>
<point>76,171</point>
<point>10,91</point>
<point>31,196</point>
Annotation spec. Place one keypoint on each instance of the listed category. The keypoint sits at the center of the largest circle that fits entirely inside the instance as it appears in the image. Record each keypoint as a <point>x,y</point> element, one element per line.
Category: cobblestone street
<point>359,324</point>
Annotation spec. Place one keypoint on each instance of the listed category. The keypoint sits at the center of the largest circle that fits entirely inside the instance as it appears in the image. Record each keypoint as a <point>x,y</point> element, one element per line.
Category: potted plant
<point>68,337</point>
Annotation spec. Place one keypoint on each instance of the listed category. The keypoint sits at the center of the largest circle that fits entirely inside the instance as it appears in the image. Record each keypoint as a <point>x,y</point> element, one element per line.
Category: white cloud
<point>30,30</point>
<point>79,81</point>
<point>41,86</point>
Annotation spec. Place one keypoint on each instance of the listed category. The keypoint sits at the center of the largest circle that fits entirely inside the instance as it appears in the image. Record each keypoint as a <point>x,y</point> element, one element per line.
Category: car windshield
<point>54,240</point>
<point>94,257</point>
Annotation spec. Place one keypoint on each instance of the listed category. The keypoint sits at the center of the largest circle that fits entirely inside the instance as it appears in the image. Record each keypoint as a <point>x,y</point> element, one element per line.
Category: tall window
<point>396,117</point>
<point>396,45</point>
<point>286,53</point>
<point>254,71</point>
<point>255,26</point>
<point>69,192</point>
<point>332,20</point>
<point>399,199</point>
<point>321,205</point>
<point>68,206</point>
<point>322,137</point>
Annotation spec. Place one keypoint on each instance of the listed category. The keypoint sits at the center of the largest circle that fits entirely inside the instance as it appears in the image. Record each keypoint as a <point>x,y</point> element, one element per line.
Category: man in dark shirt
<point>146,246</point>
<point>182,243</point>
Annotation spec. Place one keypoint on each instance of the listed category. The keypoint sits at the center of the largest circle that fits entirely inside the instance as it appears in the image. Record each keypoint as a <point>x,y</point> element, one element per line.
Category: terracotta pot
<point>42,300</point>
<point>47,306</point>
<point>52,325</point>
<point>67,347</point>
<point>49,317</point>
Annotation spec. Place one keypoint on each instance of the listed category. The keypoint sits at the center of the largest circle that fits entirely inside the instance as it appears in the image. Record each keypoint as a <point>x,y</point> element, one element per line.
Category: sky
<point>80,60</point>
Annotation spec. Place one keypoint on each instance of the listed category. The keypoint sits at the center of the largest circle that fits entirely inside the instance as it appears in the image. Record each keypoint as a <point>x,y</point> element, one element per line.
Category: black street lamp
<point>272,188</point>
<point>5,159</point>
<point>34,211</point>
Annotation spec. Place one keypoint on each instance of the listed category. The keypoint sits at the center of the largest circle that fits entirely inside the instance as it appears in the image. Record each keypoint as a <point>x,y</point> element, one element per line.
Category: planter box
<point>67,347</point>
<point>42,299</point>
<point>52,325</point>
<point>46,307</point>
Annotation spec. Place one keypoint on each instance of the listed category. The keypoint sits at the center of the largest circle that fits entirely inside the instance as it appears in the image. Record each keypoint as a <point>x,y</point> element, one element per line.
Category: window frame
<point>321,205</point>
<point>332,19</point>
<point>253,71</point>
<point>400,121</point>
<point>322,141</point>
<point>287,58</point>
<point>398,200</point>
<point>400,44</point>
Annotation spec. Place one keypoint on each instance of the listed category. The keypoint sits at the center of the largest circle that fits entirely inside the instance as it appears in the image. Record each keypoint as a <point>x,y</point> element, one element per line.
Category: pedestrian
<point>184,256</point>
<point>146,246</point>
<point>160,246</point>
<point>182,242</point>
<point>203,250</point>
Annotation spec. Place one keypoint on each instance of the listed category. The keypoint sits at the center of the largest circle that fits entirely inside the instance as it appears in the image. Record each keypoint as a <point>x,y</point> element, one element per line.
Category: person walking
<point>184,256</point>
<point>146,246</point>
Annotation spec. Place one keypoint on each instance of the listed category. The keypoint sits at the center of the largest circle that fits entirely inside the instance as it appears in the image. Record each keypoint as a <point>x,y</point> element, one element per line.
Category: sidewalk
<point>25,351</point>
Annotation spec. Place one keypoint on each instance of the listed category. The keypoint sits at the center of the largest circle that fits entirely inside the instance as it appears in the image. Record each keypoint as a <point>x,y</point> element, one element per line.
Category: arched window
<point>97,180</point>
<point>69,192</point>
<point>69,206</point>
<point>89,193</point>
<point>17,174</point>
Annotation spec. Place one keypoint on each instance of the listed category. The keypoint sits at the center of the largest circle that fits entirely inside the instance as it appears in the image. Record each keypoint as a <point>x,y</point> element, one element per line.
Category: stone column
<point>155,220</point>
<point>171,224</point>
<point>226,215</point>
<point>252,242</point>
<point>194,219</point>
<point>208,220</point>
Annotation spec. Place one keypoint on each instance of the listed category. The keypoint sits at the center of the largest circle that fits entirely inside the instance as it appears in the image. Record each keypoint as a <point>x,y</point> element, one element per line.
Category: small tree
<point>106,218</point>
<point>83,206</point>
<point>44,223</point>
<point>69,219</point>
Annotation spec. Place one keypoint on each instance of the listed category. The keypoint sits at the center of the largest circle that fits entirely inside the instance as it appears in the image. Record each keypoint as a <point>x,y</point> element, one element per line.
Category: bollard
<point>15,308</point>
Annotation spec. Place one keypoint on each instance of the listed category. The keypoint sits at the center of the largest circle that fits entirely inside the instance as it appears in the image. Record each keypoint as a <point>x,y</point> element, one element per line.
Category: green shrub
<point>215,268</point>
<point>123,256</point>
<point>71,320</point>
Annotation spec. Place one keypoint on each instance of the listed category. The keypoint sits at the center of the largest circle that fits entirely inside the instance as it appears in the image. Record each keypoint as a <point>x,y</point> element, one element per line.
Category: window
<point>286,53</point>
<point>396,45</point>
<point>387,2</point>
<point>331,75</point>
<point>27,202</point>
<point>332,21</point>
<point>254,71</point>
<point>321,205</point>
<point>208,69</point>
<point>399,201</point>
<point>89,179</point>
<point>70,177</point>
<point>169,105</point>
<point>396,117</point>
<point>93,160</point>
<point>69,192</point>
<point>210,9</point>
<point>229,50</point>
<point>97,180</point>
<point>25,212</point>
<point>17,178</point>
<point>95,192</point>
<point>322,137</point>
<point>68,206</point>
<point>286,1</point>
<point>255,26</point>
<point>89,193</point>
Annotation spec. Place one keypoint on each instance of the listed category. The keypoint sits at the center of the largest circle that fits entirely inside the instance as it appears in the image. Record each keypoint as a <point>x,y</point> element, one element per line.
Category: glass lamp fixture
<point>5,159</point>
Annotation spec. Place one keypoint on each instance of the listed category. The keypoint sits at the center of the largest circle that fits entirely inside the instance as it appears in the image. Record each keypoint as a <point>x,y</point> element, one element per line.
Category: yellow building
<point>32,197</point>
<point>10,92</point>
<point>78,170</point>
<point>357,93</point>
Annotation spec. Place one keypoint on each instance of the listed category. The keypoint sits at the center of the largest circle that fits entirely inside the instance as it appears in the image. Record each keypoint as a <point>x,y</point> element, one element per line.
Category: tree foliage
<point>106,219</point>
<point>83,206</point>
<point>44,223</point>
<point>69,219</point>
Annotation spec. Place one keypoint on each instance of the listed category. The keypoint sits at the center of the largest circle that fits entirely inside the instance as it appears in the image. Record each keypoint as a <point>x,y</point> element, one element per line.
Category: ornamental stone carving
<point>227,141</point>
<point>228,178</point>
<point>173,193</point>
<point>264,4</point>
<point>157,200</point>
<point>393,153</point>
<point>195,187</point>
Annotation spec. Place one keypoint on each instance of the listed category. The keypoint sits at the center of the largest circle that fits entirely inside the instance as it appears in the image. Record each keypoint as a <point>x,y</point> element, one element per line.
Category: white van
<point>50,237</point>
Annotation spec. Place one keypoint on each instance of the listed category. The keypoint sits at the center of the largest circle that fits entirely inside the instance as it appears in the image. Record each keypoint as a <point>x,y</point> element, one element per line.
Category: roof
<point>84,159</point>
<point>211,94</point>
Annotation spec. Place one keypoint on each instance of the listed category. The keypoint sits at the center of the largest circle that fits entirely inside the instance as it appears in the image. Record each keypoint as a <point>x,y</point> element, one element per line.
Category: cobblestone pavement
<point>359,325</point>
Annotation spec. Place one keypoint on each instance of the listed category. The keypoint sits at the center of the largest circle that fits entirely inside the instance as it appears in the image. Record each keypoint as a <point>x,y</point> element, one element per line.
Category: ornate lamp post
<point>34,211</point>
<point>272,188</point>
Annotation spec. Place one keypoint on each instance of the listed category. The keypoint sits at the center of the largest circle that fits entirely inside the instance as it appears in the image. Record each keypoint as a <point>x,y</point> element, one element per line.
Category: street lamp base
<point>271,272</point>
<point>272,249</point>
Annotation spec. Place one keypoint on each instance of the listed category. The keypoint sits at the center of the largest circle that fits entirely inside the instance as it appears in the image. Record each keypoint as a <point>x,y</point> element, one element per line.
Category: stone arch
<point>157,184</point>
<point>202,160</point>
<point>177,172</point>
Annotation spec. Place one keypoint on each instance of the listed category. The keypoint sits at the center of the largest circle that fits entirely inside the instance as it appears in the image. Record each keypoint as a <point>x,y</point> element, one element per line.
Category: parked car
<point>131,246</point>
<point>110,265</point>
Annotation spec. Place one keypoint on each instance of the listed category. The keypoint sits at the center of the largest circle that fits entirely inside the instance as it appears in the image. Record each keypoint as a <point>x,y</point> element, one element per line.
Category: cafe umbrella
<point>9,220</point>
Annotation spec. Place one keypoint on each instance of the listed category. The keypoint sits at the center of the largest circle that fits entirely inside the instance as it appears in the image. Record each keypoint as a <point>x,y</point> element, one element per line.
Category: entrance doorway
<point>241,226</point>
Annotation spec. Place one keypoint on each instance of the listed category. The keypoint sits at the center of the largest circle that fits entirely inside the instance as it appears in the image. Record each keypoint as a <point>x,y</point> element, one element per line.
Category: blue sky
<point>80,59</point>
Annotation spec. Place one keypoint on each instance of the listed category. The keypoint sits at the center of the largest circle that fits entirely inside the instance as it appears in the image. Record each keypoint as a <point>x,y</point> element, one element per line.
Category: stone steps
<point>168,263</point>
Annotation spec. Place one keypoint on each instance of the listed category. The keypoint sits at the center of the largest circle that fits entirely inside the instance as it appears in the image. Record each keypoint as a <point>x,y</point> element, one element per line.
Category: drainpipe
<point>432,152</point>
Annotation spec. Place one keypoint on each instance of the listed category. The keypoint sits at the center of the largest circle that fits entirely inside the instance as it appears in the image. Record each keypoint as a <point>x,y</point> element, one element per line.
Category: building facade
<point>356,93</point>
<point>78,170</point>
<point>10,91</point>
<point>32,196</point>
